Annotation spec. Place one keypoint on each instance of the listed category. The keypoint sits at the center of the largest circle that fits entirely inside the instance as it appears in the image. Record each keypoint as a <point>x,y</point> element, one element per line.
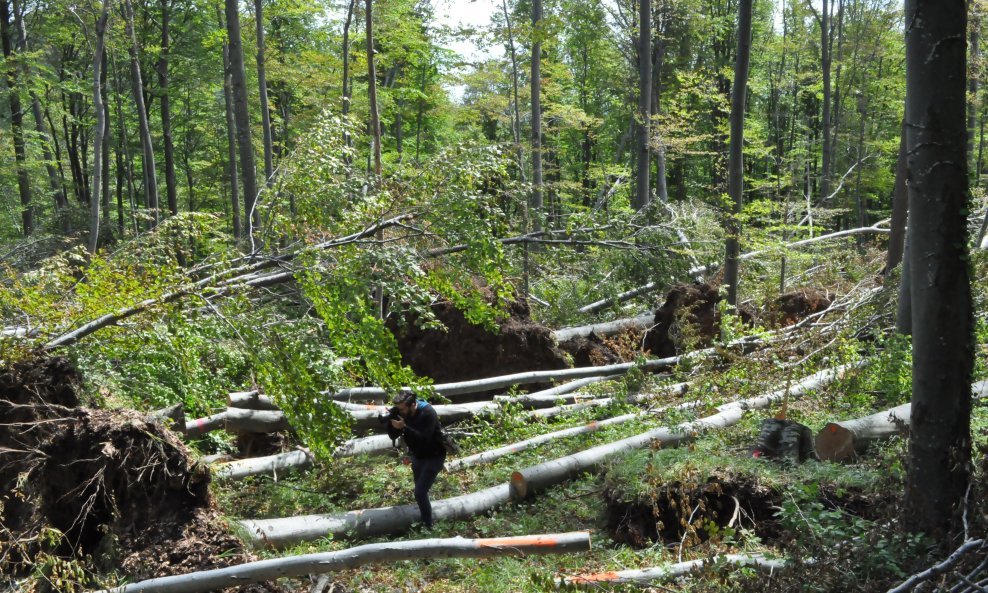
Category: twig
<point>938,569</point>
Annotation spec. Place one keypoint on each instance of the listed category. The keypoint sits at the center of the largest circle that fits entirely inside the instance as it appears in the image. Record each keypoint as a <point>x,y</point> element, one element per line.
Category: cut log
<point>240,420</point>
<point>201,426</point>
<point>271,464</point>
<point>295,566</point>
<point>572,385</point>
<point>174,413</point>
<point>529,481</point>
<point>287,531</point>
<point>610,328</point>
<point>216,458</point>
<point>378,443</point>
<point>527,378</point>
<point>646,576</point>
<point>250,400</point>
<point>844,441</point>
<point>535,402</point>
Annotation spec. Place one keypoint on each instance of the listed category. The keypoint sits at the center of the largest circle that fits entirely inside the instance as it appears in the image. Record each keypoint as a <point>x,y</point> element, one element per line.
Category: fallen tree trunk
<point>241,420</point>
<point>535,402</point>
<point>610,328</point>
<point>175,413</point>
<point>561,410</point>
<point>527,378</point>
<point>646,576</point>
<point>295,566</point>
<point>286,531</point>
<point>250,400</point>
<point>270,464</point>
<point>201,426</point>
<point>378,443</point>
<point>845,440</point>
<point>526,482</point>
<point>624,296</point>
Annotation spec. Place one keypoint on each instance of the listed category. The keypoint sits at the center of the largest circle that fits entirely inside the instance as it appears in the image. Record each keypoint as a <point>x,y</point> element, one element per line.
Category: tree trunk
<point>516,108</point>
<point>105,182</point>
<point>271,464</point>
<point>171,184</point>
<point>610,328</point>
<point>900,208</point>
<point>642,185</point>
<point>262,85</point>
<point>972,80</point>
<point>248,172</point>
<point>16,122</point>
<point>655,575</point>
<point>346,81</point>
<point>943,355</point>
<point>299,566</point>
<point>100,128</point>
<point>137,86</point>
<point>735,168</point>
<point>825,116</point>
<point>375,119</point>
<point>535,205</point>
<point>231,133</point>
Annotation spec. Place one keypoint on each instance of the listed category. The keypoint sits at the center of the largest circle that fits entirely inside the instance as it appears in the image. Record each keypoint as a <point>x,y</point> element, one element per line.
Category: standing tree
<point>346,78</point>
<point>137,87</point>
<point>643,116</point>
<point>100,127</point>
<point>735,172</point>
<point>166,114</point>
<point>16,122</point>
<point>231,132</point>
<point>536,80</point>
<point>262,84</point>
<point>242,117</point>
<point>943,355</point>
<point>375,122</point>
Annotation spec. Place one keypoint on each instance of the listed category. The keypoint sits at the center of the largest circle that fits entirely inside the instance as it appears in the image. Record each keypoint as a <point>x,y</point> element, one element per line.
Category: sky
<point>467,13</point>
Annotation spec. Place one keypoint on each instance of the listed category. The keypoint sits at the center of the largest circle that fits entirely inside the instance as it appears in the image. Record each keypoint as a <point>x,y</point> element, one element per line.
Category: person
<point>419,424</point>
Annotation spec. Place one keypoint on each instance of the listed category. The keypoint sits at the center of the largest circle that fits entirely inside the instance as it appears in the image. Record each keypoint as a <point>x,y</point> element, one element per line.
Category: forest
<point>695,291</point>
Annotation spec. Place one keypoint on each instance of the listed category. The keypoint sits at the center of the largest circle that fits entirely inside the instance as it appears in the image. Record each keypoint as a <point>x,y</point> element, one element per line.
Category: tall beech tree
<point>98,62</point>
<point>262,85</point>
<point>16,121</point>
<point>231,133</point>
<point>735,169</point>
<point>166,113</point>
<point>375,118</point>
<point>241,113</point>
<point>137,88</point>
<point>643,116</point>
<point>535,205</point>
<point>942,321</point>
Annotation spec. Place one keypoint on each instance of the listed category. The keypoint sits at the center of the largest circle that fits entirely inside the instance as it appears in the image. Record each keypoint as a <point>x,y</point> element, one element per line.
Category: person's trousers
<point>425,470</point>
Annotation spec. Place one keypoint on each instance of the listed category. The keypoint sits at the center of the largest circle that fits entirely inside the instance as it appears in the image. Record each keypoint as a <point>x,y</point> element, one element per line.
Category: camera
<point>391,415</point>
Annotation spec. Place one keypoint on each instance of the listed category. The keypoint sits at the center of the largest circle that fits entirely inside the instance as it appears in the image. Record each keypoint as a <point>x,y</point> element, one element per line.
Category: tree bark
<point>262,85</point>
<point>137,87</point>
<point>271,464</point>
<point>231,133</point>
<point>535,205</point>
<point>943,342</point>
<point>248,171</point>
<point>100,127</point>
<point>900,208</point>
<point>171,184</point>
<point>16,122</point>
<point>735,168</point>
<point>375,119</point>
<point>642,185</point>
<point>515,108</point>
<point>648,576</point>
<point>825,64</point>
<point>346,81</point>
<point>609,328</point>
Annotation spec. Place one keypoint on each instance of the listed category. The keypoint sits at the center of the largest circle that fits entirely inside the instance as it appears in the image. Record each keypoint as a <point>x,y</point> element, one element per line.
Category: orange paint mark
<point>833,428</point>
<point>610,575</point>
<point>498,542</point>
<point>593,425</point>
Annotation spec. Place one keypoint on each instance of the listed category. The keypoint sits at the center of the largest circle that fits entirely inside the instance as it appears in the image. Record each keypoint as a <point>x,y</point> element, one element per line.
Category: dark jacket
<point>422,432</point>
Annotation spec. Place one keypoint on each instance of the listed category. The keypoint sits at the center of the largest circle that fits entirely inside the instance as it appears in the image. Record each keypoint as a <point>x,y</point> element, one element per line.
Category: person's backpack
<point>448,441</point>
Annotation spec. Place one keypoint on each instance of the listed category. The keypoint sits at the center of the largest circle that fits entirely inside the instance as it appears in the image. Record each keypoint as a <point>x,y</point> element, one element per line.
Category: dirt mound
<point>679,512</point>
<point>689,314</point>
<point>594,350</point>
<point>467,351</point>
<point>802,303</point>
<point>120,490</point>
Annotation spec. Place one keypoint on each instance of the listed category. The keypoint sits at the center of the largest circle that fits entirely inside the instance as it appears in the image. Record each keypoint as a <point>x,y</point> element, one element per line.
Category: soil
<point>799,304</point>
<point>688,314</point>
<point>681,513</point>
<point>591,350</point>
<point>121,489</point>
<point>466,351</point>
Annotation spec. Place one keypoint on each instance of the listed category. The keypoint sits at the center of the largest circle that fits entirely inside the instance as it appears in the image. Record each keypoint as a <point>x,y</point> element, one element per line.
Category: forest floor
<point>138,502</point>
